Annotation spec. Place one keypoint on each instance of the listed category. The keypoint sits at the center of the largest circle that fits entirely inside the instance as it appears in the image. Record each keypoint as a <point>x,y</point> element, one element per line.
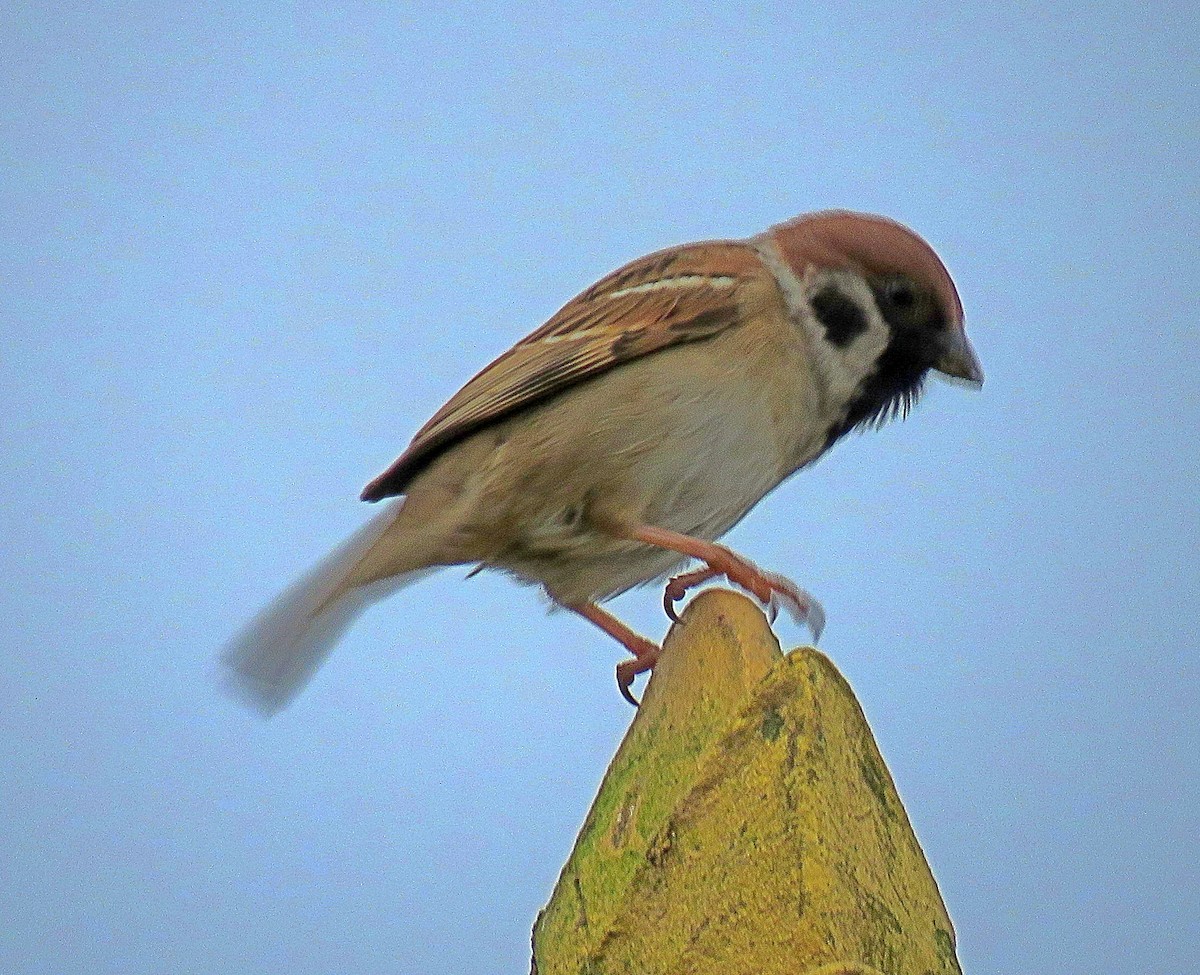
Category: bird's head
<point>881,296</point>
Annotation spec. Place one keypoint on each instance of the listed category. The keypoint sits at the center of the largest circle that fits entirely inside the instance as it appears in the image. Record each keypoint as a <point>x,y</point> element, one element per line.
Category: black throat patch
<point>915,334</point>
<point>891,390</point>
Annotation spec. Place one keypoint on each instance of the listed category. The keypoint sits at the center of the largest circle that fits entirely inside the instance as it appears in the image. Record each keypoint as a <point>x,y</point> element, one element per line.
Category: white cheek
<point>843,368</point>
<point>838,371</point>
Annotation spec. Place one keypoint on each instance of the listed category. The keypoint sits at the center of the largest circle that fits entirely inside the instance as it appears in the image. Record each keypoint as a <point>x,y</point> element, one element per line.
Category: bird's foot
<point>769,588</point>
<point>645,652</point>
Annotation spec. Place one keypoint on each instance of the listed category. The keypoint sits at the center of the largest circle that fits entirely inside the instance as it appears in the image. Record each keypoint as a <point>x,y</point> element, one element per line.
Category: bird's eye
<point>901,294</point>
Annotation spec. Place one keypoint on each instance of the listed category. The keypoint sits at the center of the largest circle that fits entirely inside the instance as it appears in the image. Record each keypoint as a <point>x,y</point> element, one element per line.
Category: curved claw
<point>670,598</point>
<point>678,586</point>
<point>627,670</point>
<point>772,609</point>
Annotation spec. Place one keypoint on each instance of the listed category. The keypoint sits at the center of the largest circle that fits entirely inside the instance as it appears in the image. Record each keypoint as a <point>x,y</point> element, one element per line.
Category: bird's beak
<point>959,360</point>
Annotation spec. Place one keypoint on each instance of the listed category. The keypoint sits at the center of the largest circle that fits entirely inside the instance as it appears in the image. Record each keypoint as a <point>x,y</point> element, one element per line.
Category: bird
<point>634,428</point>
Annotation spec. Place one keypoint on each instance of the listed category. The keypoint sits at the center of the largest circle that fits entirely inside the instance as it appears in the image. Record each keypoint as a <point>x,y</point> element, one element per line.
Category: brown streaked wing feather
<point>680,295</point>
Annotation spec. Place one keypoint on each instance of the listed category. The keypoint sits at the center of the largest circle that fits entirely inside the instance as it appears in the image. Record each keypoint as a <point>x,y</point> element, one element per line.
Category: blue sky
<point>246,250</point>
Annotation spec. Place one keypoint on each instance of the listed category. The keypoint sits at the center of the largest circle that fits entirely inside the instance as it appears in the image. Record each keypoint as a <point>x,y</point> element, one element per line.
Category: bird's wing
<point>684,294</point>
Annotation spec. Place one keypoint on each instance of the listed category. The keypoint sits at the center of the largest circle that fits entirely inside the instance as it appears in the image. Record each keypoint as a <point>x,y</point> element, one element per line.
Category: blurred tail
<point>276,655</point>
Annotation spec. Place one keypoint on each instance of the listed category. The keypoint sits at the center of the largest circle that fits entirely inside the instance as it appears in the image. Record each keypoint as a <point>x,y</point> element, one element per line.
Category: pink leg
<point>645,652</point>
<point>770,589</point>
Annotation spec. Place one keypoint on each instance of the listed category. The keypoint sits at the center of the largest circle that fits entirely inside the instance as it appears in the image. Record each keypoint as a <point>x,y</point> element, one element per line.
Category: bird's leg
<point>645,652</point>
<point>770,589</point>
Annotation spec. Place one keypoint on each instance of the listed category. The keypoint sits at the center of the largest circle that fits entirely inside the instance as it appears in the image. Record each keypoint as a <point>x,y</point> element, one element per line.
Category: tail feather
<point>276,655</point>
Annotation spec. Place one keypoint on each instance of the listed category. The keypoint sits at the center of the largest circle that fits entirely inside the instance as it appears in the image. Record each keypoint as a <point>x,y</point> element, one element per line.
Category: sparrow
<point>634,428</point>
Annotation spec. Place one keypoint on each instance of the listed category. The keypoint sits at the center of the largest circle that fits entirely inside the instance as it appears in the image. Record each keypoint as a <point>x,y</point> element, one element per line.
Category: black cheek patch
<point>841,317</point>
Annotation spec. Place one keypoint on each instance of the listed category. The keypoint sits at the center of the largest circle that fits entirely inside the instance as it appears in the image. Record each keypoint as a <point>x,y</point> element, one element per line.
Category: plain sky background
<point>247,249</point>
